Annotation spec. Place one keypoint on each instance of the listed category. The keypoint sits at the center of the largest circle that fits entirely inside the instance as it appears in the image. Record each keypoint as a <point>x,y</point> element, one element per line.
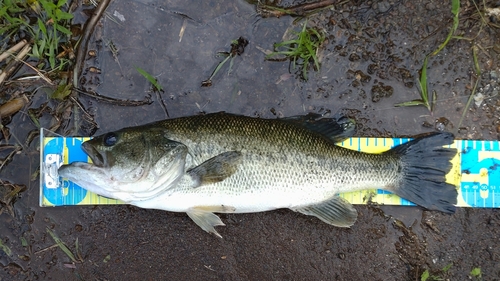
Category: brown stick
<point>298,10</point>
<point>301,9</point>
<point>13,49</point>
<point>121,102</point>
<point>89,29</point>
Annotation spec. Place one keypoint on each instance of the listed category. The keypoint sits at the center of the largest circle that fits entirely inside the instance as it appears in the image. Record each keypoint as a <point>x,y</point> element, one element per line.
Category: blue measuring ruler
<point>476,173</point>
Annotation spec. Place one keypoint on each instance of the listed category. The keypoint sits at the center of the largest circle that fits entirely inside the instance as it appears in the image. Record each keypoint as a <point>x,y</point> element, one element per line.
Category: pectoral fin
<point>215,169</point>
<point>204,217</point>
<point>336,211</point>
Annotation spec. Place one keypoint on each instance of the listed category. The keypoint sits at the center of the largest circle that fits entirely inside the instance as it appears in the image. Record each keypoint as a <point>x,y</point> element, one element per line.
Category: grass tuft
<point>47,23</point>
<point>302,51</point>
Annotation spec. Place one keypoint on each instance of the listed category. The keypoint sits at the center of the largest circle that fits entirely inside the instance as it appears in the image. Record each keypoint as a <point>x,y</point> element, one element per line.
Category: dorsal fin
<point>337,128</point>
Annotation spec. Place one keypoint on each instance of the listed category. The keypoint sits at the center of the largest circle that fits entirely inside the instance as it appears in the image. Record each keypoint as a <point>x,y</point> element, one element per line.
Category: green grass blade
<point>61,245</point>
<point>447,267</point>
<point>34,50</point>
<point>24,242</point>
<point>455,10</point>
<point>52,55</point>
<point>41,48</point>
<point>230,65</point>
<point>424,94</point>
<point>42,27</point>
<point>218,67</point>
<point>433,101</point>
<point>423,82</point>
<point>62,29</point>
<point>3,11</point>
<point>150,78</point>
<point>476,272</point>
<point>304,27</point>
<point>77,250</point>
<point>5,248</point>
<point>425,275</point>
<point>61,15</point>
<point>477,69</point>
<point>48,7</point>
<point>476,62</point>
<point>63,90</point>
<point>61,3</point>
<point>410,103</point>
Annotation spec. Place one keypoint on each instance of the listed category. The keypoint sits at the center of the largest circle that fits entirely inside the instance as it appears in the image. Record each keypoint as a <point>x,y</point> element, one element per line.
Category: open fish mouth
<point>97,158</point>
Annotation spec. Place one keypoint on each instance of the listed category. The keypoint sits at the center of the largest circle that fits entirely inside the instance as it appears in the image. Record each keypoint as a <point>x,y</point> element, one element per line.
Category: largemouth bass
<point>224,163</point>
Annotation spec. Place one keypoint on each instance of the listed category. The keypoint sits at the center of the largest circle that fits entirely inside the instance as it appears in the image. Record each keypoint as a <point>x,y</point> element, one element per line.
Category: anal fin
<point>335,211</point>
<point>204,217</point>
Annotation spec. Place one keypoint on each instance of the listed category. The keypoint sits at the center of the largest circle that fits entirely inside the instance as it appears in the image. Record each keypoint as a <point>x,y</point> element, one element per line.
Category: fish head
<point>130,164</point>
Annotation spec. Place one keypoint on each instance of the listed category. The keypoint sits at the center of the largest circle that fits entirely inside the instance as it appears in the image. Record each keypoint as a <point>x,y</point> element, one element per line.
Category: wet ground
<point>370,61</point>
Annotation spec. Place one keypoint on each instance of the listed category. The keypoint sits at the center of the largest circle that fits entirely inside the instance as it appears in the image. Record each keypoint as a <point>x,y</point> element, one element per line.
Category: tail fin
<point>424,165</point>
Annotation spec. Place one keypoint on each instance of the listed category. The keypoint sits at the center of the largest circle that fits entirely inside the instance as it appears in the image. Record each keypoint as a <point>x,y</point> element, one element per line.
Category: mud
<point>370,61</point>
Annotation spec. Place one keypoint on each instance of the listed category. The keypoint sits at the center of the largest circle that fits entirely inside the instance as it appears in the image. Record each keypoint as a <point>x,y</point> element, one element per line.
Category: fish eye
<point>110,139</point>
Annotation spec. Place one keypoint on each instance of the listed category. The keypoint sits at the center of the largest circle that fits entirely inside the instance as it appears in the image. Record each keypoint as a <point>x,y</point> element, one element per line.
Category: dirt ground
<point>369,62</point>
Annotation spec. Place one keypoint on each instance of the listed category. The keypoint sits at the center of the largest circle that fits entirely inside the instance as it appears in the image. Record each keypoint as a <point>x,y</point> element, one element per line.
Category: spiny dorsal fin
<point>336,211</point>
<point>337,128</point>
<point>215,169</point>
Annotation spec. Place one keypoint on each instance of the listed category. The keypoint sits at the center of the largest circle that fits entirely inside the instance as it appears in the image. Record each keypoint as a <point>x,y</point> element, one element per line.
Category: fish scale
<point>237,164</point>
